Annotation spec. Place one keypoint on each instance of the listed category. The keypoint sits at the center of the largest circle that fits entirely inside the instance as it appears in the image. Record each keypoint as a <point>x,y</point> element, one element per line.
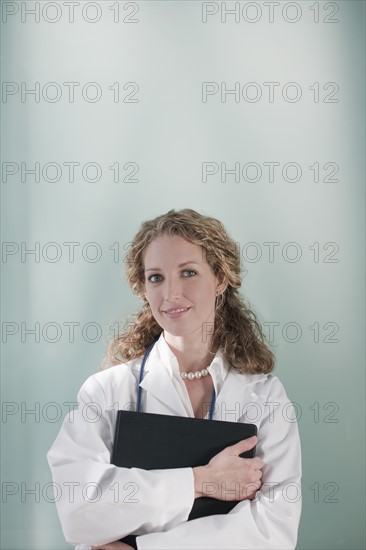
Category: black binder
<point>157,441</point>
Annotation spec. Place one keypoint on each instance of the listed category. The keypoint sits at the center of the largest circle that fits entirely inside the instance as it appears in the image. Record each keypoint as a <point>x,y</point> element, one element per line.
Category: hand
<point>228,476</point>
<point>117,545</point>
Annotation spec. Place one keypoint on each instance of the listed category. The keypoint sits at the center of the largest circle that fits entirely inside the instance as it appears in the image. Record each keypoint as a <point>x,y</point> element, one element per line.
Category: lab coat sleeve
<point>271,520</point>
<point>98,502</point>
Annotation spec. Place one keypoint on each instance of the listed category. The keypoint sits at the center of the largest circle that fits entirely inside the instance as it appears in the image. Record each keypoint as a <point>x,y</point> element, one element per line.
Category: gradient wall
<point>116,112</point>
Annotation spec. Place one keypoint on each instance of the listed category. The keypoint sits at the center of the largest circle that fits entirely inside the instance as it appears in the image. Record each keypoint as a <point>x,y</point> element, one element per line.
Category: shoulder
<point>262,392</point>
<point>262,384</point>
<point>113,385</point>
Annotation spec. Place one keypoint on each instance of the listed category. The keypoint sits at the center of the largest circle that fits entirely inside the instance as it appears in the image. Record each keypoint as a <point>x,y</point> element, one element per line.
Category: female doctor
<point>209,361</point>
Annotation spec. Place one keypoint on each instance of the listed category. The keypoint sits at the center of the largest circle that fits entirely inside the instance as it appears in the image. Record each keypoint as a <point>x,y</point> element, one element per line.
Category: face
<point>177,277</point>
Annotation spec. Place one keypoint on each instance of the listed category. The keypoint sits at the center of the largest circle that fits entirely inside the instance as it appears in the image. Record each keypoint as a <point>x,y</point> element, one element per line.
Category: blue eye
<point>190,271</point>
<point>151,278</point>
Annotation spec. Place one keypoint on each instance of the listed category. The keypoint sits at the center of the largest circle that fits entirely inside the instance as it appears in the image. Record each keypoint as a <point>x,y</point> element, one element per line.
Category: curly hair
<point>236,331</point>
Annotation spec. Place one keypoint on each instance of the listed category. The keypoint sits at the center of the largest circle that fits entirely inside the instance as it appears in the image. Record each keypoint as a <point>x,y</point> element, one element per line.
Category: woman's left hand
<point>117,545</point>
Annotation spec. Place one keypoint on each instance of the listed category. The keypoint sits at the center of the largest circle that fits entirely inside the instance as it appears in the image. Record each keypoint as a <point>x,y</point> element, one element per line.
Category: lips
<point>176,310</point>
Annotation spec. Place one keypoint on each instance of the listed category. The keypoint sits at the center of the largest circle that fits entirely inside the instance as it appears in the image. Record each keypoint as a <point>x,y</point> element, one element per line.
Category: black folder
<point>157,441</point>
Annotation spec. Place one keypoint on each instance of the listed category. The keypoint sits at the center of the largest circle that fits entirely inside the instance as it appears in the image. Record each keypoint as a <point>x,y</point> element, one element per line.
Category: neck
<point>192,354</point>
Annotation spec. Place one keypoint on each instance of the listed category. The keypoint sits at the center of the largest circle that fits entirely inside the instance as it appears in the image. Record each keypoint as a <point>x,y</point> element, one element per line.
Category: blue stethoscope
<point>213,399</point>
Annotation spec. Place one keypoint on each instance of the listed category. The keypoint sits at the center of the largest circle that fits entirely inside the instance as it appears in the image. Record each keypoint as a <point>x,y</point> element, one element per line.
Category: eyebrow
<point>180,265</point>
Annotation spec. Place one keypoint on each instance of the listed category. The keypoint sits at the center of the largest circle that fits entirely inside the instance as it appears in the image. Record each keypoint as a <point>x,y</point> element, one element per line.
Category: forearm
<point>108,505</point>
<point>200,479</point>
<point>262,524</point>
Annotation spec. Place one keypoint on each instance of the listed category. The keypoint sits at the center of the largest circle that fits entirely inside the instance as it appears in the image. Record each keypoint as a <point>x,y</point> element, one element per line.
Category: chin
<point>175,331</point>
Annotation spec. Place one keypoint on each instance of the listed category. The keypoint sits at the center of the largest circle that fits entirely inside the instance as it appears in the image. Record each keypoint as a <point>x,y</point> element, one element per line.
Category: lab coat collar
<point>169,360</point>
<point>157,382</point>
<point>163,396</point>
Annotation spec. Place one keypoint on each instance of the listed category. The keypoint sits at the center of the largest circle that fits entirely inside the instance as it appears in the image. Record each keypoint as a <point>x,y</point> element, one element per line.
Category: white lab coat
<point>96,501</point>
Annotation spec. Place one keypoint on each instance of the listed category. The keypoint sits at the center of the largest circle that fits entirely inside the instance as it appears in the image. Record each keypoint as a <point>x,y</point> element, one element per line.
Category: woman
<point>209,350</point>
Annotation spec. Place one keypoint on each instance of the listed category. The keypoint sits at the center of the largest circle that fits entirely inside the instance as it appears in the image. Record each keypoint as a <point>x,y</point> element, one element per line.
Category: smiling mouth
<point>178,310</point>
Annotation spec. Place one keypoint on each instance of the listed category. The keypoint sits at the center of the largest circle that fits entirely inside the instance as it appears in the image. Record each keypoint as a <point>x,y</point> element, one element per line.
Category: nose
<point>173,288</point>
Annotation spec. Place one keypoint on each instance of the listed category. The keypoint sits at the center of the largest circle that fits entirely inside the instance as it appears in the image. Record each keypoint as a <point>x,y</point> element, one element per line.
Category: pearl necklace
<point>194,375</point>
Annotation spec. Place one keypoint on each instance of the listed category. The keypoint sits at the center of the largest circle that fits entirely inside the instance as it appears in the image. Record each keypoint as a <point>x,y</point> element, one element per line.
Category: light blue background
<point>169,132</point>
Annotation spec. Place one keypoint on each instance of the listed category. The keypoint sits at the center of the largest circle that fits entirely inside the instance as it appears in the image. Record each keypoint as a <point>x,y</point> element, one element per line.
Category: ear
<point>221,282</point>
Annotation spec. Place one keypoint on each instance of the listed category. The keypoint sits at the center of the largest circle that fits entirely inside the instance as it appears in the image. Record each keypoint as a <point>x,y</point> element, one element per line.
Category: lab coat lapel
<point>162,397</point>
<point>235,396</point>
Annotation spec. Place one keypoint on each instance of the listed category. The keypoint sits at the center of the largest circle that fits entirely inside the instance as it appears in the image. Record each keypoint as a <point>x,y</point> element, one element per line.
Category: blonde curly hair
<point>236,332</point>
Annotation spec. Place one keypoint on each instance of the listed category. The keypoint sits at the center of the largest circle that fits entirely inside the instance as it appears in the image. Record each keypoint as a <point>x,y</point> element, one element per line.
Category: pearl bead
<point>194,375</point>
